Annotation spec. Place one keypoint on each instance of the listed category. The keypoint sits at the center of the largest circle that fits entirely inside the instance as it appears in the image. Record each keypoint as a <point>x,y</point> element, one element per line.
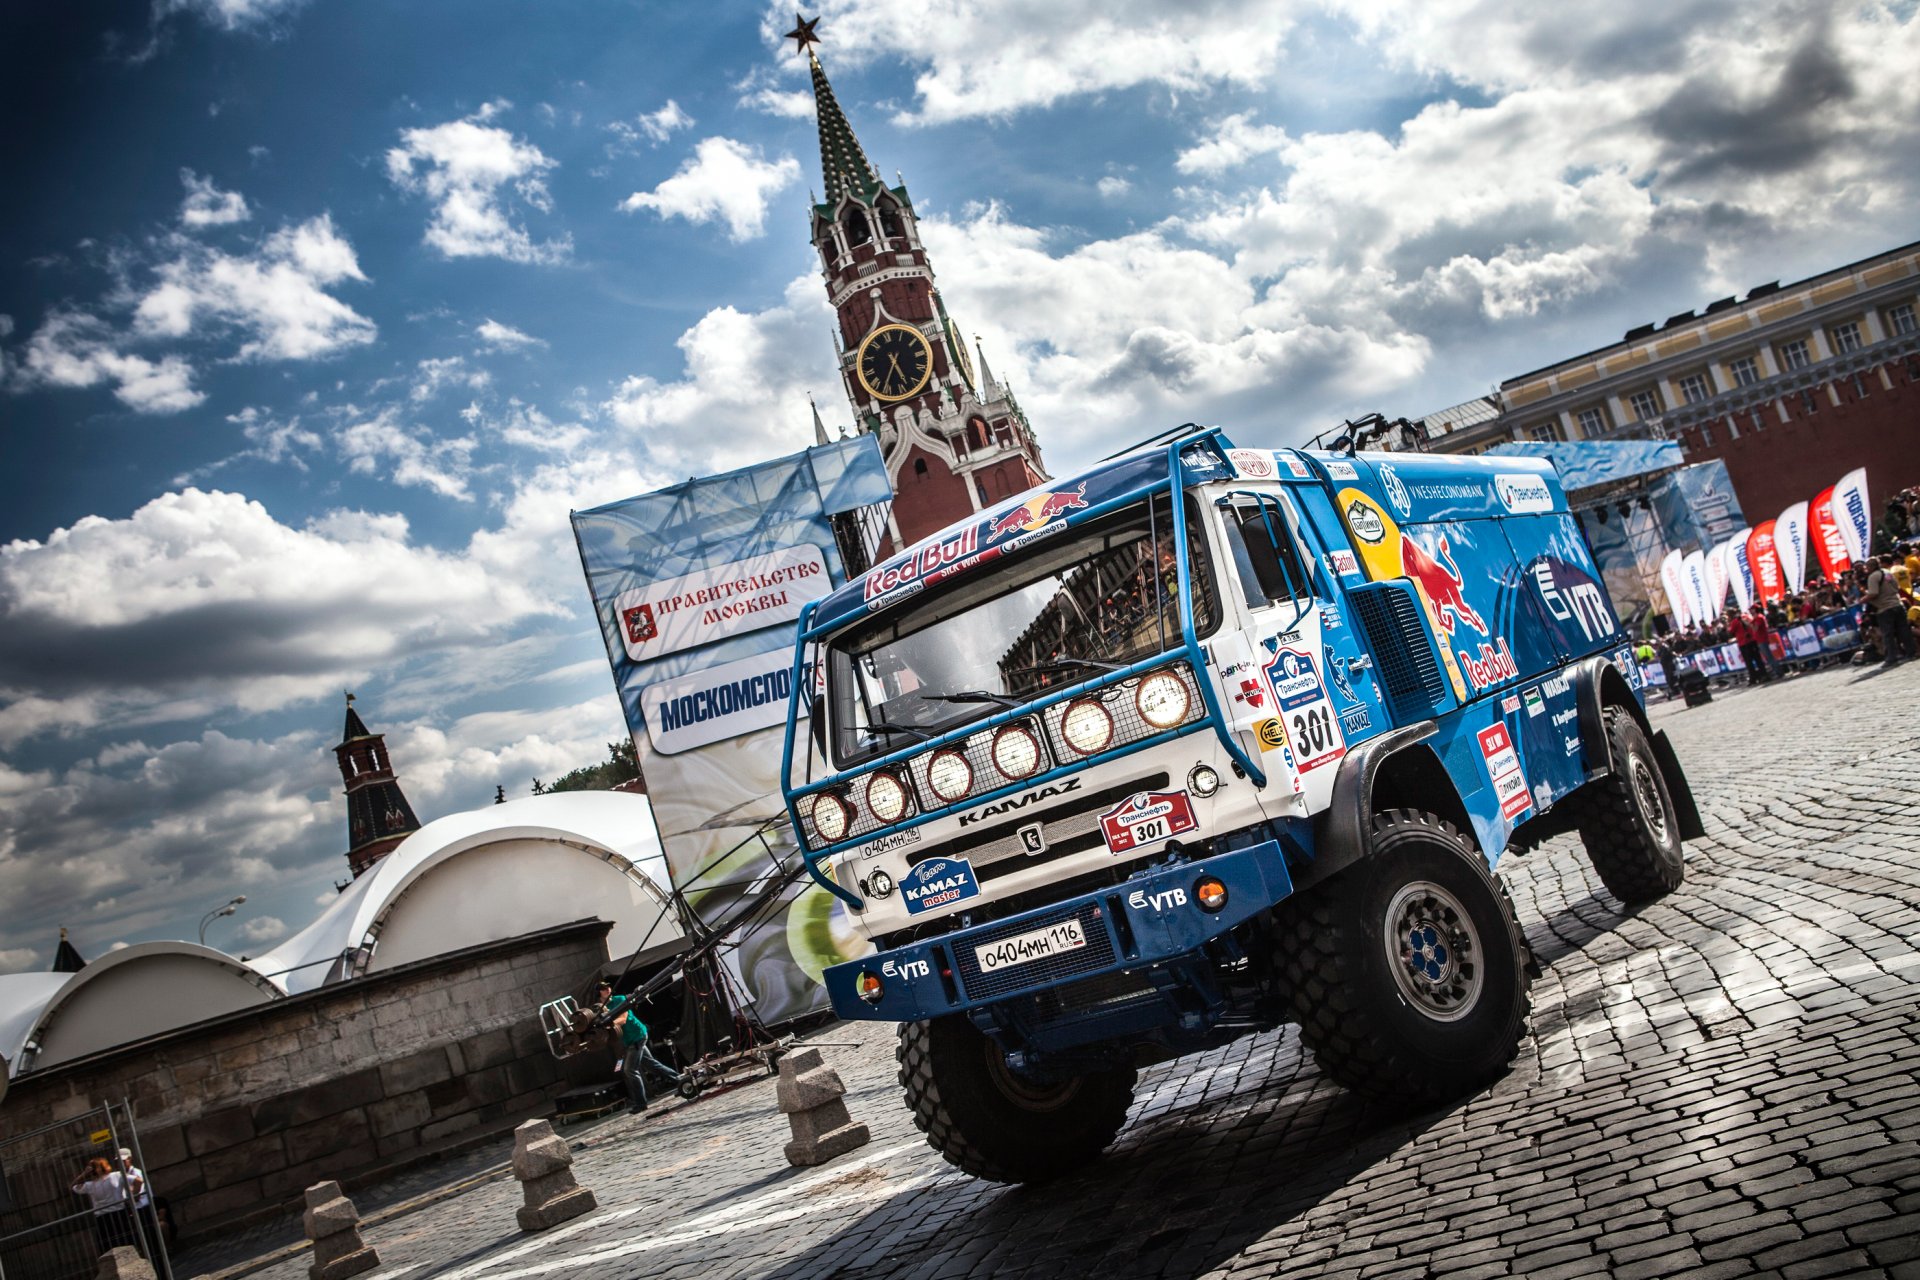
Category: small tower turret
<point>378,815</point>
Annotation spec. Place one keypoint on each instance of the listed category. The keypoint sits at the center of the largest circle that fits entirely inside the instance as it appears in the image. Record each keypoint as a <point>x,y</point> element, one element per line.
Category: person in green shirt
<point>636,1057</point>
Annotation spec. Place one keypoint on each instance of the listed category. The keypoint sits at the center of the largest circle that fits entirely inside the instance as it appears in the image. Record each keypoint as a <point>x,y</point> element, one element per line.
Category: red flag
<point>1769,583</point>
<point>1827,542</point>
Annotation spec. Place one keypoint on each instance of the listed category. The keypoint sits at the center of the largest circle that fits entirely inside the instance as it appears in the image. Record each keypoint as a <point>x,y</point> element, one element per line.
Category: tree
<point>620,766</point>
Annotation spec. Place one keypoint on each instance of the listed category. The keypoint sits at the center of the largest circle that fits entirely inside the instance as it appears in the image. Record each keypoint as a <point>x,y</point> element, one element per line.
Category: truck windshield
<point>1102,596</point>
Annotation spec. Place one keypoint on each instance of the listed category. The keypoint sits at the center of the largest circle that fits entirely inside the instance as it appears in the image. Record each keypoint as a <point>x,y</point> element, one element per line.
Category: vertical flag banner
<point>1742,568</point>
<point>1718,571</point>
<point>1828,545</point>
<point>1790,544</point>
<point>696,588</point>
<point>1767,584</point>
<point>1672,583</point>
<point>1693,575</point>
<point>1852,514</point>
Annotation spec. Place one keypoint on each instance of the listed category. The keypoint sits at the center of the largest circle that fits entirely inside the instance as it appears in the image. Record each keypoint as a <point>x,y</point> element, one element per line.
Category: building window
<point>1794,355</point>
<point>1694,388</point>
<point>1646,405</point>
<point>1547,431</point>
<point>1745,371</point>
<point>1900,319</point>
<point>1846,337</point>
<point>1706,435</point>
<point>1593,421</point>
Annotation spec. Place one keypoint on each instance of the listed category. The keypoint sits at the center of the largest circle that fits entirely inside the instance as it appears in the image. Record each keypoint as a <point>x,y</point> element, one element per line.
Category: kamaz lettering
<point>1020,802</point>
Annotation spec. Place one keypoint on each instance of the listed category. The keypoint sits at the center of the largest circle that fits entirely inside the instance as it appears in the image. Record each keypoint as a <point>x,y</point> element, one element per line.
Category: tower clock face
<point>894,362</point>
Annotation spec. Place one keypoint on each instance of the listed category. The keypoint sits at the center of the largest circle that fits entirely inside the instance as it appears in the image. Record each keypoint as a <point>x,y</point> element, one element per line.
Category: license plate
<point>1053,940</point>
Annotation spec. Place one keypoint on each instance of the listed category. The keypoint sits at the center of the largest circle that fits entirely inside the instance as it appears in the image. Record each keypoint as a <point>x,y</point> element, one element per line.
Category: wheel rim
<point>1027,1094</point>
<point>1646,797</point>
<point>1434,951</point>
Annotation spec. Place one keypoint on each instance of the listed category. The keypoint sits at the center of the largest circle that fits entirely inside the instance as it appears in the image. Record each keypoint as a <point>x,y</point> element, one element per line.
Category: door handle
<point>1362,663</point>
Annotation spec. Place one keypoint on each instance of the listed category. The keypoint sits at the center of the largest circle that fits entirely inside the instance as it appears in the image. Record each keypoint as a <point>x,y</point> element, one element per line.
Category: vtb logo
<point>1440,578</point>
<point>1036,512</point>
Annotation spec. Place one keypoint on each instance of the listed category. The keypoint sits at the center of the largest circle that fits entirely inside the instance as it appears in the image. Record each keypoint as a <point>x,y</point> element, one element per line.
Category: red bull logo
<point>928,564</point>
<point>1440,578</point>
<point>1038,512</point>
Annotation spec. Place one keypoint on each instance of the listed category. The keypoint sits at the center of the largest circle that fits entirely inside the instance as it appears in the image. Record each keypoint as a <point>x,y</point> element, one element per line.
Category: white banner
<point>1739,572</point>
<point>728,600</point>
<point>1718,572</point>
<point>1790,544</point>
<point>719,703</point>
<point>1674,585</point>
<point>1693,574</point>
<point>1852,514</point>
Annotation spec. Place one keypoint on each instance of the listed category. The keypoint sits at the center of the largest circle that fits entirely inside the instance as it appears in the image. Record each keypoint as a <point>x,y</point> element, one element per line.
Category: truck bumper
<point>1150,919</point>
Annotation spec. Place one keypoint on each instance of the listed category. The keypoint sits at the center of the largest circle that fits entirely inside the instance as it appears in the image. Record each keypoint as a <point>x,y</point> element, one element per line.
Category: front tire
<point>986,1120</point>
<point>1408,971</point>
<point>1629,826</point>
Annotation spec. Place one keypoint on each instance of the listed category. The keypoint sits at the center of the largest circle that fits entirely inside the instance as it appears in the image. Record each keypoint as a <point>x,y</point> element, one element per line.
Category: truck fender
<point>1592,679</point>
<point>1343,833</point>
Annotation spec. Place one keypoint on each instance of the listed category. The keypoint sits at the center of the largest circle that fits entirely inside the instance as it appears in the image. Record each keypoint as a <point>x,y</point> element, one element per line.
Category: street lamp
<point>215,914</point>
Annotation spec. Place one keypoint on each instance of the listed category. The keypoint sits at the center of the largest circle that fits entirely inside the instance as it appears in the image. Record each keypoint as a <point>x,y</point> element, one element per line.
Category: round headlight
<point>1016,753</point>
<point>949,776</point>
<point>879,885</point>
<point>1162,699</point>
<point>832,816</point>
<point>869,986</point>
<point>1203,781</point>
<point>1087,727</point>
<point>886,797</point>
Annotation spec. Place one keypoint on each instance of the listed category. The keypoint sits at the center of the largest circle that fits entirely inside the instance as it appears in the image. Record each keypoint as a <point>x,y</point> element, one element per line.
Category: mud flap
<point>1678,788</point>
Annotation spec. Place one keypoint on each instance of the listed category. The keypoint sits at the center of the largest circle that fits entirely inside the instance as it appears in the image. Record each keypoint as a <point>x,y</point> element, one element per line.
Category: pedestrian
<point>636,1056</point>
<point>106,1188</point>
<point>142,1205</point>
<point>1742,632</point>
<point>1762,628</point>
<point>1884,603</point>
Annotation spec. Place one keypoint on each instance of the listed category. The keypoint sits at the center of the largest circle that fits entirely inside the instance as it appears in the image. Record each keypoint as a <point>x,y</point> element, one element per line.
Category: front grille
<point>1097,954</point>
<point>1389,613</point>
<point>1070,827</point>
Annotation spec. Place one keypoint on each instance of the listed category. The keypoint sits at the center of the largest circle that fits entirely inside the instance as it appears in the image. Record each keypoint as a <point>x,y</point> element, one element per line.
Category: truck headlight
<point>1162,699</point>
<point>1016,752</point>
<point>886,797</point>
<point>1087,727</point>
<point>949,776</point>
<point>1203,781</point>
<point>832,817</point>
<point>1210,892</point>
<point>879,885</point>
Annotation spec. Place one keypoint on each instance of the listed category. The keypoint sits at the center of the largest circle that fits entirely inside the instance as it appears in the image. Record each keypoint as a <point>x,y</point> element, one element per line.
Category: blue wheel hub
<point>1433,951</point>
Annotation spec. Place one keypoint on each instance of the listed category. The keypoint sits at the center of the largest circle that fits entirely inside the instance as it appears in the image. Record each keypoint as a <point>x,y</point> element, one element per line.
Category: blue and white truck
<point>1201,741</point>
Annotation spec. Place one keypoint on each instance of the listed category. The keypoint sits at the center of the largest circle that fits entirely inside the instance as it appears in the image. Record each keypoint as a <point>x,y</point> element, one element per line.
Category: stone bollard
<point>543,1163</point>
<point>809,1092</point>
<point>333,1224</point>
<point>123,1262</point>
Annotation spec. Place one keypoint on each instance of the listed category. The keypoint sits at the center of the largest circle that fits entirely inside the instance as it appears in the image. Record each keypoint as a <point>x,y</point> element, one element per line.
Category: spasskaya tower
<point>954,439</point>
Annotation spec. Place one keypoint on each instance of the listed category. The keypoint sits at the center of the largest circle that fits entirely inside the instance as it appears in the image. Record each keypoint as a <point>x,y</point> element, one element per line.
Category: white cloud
<point>664,123</point>
<point>1112,187</point>
<point>18,959</point>
<point>505,337</point>
<point>759,90</point>
<point>208,206</point>
<point>1233,141</point>
<point>446,371</point>
<point>260,930</point>
<point>201,601</point>
<point>74,349</point>
<point>465,168</point>
<point>232,15</point>
<point>724,180</point>
<point>275,297</point>
<point>271,440</point>
<point>410,455</point>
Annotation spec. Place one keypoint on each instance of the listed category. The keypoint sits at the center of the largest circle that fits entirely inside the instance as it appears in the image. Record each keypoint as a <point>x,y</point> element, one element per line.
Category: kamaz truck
<point>1201,741</point>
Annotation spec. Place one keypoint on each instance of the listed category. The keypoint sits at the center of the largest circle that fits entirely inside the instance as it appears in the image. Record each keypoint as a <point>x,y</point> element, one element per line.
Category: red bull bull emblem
<point>1038,512</point>
<point>1440,578</point>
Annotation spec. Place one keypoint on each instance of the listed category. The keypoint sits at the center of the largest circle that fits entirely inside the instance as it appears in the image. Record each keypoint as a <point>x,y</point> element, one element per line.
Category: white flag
<point>1672,583</point>
<point>1790,544</point>
<point>1852,514</point>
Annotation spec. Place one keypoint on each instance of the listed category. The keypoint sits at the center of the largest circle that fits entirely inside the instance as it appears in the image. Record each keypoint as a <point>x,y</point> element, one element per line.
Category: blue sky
<point>317,316</point>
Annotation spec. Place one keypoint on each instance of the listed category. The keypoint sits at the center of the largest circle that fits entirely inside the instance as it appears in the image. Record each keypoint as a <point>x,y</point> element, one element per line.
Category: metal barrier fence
<point>51,1228</point>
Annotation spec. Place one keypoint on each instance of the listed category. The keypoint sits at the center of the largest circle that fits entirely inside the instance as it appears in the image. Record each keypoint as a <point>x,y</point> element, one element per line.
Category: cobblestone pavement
<point>1723,1083</point>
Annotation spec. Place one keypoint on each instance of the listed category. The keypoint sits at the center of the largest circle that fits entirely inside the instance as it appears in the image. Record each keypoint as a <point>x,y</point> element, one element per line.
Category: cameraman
<point>636,1056</point>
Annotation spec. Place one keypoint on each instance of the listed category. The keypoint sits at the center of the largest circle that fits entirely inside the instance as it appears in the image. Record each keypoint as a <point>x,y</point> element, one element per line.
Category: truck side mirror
<point>817,723</point>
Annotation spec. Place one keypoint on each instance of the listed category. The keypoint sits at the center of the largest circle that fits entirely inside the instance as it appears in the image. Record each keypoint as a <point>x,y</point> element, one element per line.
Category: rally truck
<point>1201,741</point>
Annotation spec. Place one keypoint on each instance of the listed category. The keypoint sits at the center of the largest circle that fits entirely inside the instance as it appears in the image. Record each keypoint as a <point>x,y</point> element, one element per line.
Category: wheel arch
<point>1600,684</point>
<point>1397,769</point>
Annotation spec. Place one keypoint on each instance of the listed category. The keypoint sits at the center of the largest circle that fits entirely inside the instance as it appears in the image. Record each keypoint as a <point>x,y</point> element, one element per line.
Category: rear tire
<point>1408,972</point>
<point>985,1120</point>
<point>1629,825</point>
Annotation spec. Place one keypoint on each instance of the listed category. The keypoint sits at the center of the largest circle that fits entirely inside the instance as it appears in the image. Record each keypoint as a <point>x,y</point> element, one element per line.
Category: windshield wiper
<point>1063,662</point>
<point>887,726</point>
<point>973,695</point>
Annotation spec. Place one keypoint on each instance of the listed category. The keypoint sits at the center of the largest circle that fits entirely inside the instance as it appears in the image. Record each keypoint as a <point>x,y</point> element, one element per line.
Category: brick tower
<point>954,439</point>
<point>378,815</point>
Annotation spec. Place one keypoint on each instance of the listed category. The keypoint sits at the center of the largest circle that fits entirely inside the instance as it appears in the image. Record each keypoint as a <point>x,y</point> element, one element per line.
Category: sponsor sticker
<point>938,882</point>
<point>1343,564</point>
<point>1364,519</point>
<point>727,600</point>
<point>888,843</point>
<point>1145,817</point>
<point>1503,770</point>
<point>1298,468</point>
<point>1312,726</point>
<point>1510,706</point>
<point>1330,616</point>
<point>1356,721</point>
<point>1159,901</point>
<point>1253,464</point>
<point>1396,491</point>
<point>1523,494</point>
<point>1036,513</point>
<point>1341,470</point>
<point>1536,705</point>
<point>1271,733</point>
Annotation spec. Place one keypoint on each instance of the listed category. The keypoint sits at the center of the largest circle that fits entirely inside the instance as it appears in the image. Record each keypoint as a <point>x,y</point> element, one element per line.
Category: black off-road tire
<point>982,1119</point>
<point>1628,822</point>
<point>1377,1025</point>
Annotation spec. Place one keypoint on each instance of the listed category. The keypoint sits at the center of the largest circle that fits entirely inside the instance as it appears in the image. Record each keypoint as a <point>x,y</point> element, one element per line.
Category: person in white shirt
<point>106,1187</point>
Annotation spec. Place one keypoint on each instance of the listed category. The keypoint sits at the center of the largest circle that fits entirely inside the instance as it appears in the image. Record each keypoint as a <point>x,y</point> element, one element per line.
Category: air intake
<point>1403,656</point>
